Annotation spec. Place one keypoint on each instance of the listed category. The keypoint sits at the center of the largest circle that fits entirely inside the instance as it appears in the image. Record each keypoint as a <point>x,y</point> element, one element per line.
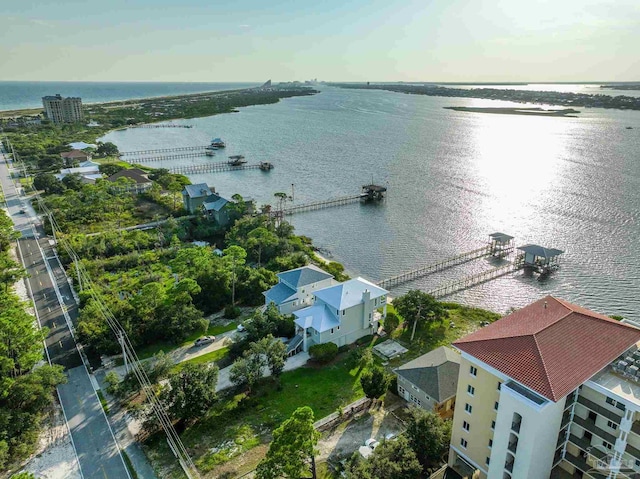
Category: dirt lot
<point>348,437</point>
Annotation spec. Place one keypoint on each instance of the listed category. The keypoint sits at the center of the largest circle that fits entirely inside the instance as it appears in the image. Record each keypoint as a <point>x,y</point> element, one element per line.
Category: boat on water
<point>210,153</point>
<point>218,143</point>
<point>211,148</point>
<point>265,166</point>
<point>629,128</point>
<point>236,160</point>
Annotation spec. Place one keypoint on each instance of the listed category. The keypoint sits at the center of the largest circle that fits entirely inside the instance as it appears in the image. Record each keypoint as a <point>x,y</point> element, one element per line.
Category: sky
<point>333,40</point>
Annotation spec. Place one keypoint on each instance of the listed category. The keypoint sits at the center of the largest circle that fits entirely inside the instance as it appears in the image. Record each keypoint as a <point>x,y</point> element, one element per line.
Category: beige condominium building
<point>63,110</point>
<point>551,390</point>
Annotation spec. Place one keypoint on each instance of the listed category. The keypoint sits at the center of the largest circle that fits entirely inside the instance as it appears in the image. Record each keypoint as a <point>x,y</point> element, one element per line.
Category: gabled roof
<point>303,276</point>
<point>436,373</point>
<point>83,170</point>
<point>198,190</point>
<point>280,293</point>
<point>550,346</point>
<point>74,154</point>
<point>318,317</point>
<point>349,293</point>
<point>135,174</point>
<point>540,251</point>
<point>89,163</point>
<point>214,202</point>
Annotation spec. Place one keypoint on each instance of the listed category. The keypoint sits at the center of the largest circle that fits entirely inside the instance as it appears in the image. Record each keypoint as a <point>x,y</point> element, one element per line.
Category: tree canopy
<point>390,460</point>
<point>429,436</point>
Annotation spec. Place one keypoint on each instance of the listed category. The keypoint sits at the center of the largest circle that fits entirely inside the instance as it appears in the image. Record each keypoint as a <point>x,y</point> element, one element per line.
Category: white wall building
<point>296,287</point>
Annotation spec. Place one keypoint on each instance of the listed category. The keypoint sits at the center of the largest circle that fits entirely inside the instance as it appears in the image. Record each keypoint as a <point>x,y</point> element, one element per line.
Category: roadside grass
<point>213,356</point>
<point>103,401</point>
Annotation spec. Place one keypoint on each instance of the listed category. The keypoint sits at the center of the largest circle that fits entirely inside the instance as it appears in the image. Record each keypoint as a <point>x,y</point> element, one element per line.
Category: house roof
<point>74,154</point>
<point>81,145</point>
<point>349,293</point>
<point>540,251</point>
<point>436,373</point>
<point>280,293</point>
<point>550,346</point>
<point>89,163</point>
<point>198,190</point>
<point>135,174</point>
<point>318,317</point>
<point>214,202</point>
<point>83,170</point>
<point>303,276</point>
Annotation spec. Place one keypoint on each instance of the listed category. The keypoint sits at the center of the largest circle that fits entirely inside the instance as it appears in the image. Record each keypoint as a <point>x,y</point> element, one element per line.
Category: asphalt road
<point>97,451</point>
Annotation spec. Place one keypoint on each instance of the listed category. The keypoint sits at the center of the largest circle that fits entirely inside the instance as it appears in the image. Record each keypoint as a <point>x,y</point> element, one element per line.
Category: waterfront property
<point>63,110</point>
<point>430,381</point>
<point>87,170</point>
<point>341,314</point>
<point>551,390</point>
<point>217,209</point>
<point>295,288</point>
<point>193,196</point>
<point>139,182</point>
<point>74,155</point>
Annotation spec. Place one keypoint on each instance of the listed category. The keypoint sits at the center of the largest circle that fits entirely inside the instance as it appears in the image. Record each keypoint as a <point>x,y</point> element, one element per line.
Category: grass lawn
<point>464,319</point>
<point>211,357</point>
<point>237,424</point>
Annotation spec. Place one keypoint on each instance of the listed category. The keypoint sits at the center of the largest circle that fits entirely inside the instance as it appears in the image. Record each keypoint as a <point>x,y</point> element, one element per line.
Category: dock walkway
<point>214,167</point>
<point>161,151</point>
<point>473,280</point>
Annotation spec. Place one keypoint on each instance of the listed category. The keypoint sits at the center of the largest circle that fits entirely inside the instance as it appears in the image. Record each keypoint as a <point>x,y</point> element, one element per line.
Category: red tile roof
<point>74,154</point>
<point>552,349</point>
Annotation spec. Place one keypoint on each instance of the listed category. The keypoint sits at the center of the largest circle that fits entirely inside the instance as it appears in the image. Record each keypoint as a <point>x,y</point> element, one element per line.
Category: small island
<point>564,112</point>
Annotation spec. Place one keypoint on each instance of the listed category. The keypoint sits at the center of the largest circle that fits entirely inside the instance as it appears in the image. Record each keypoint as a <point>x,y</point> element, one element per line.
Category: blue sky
<point>249,40</point>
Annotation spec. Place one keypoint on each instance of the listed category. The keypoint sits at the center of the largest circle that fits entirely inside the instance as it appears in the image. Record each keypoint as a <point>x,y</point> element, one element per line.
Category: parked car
<point>204,340</point>
<point>372,443</point>
<point>241,328</point>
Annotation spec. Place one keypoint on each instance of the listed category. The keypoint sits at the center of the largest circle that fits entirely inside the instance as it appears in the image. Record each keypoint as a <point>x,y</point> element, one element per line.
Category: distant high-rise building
<point>63,110</point>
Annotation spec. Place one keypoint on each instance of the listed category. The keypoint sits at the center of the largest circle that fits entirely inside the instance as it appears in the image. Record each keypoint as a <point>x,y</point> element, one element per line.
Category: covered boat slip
<point>540,259</point>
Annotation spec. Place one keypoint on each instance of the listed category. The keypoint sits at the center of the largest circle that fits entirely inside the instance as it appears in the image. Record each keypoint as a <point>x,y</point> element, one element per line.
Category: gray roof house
<point>215,208</point>
<point>430,381</point>
<point>295,288</point>
<point>193,196</point>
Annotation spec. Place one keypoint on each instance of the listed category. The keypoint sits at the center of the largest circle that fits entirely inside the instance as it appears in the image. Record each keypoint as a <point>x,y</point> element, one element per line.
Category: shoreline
<point>536,111</point>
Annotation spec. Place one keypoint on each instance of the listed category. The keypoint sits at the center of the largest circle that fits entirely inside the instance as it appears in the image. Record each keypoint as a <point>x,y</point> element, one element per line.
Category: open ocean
<point>18,95</point>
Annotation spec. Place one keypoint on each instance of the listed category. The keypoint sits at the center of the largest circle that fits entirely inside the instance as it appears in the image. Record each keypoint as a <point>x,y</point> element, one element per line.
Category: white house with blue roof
<point>295,288</point>
<point>341,314</point>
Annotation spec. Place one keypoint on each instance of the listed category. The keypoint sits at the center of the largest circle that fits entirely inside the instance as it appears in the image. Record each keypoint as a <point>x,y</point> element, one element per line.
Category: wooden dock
<point>435,267</point>
<point>318,205</point>
<point>213,167</point>
<point>473,280</point>
<point>168,157</point>
<point>161,151</point>
<point>161,126</point>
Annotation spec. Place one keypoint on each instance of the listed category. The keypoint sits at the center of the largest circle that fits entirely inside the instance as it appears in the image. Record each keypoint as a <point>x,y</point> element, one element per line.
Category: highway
<point>95,445</point>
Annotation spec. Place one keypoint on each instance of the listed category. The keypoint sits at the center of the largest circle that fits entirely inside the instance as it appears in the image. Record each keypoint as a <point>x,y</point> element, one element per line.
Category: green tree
<point>390,460</point>
<point>107,149</point>
<point>192,391</point>
<point>247,370</point>
<point>366,358</point>
<point>73,181</point>
<point>391,322</point>
<point>375,382</point>
<point>23,475</point>
<point>419,307</point>
<point>274,351</point>
<point>261,239</point>
<point>48,183</point>
<point>292,451</point>
<point>109,169</point>
<point>236,256</point>
<point>429,436</point>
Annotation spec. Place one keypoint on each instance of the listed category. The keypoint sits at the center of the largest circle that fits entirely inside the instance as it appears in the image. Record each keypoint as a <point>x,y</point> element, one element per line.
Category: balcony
<point>513,446</point>
<point>633,451</point>
<point>591,427</point>
<point>515,426</point>
<point>586,446</point>
<point>582,465</point>
<point>589,404</point>
<point>566,419</point>
<point>635,427</point>
<point>509,466</point>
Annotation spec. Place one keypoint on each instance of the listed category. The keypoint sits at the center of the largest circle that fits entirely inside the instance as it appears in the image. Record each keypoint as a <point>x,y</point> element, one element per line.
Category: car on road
<point>204,340</point>
<point>241,328</point>
<point>22,211</point>
<point>372,443</point>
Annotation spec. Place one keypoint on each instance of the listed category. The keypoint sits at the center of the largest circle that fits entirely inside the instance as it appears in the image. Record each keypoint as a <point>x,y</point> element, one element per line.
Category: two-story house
<point>193,196</point>
<point>295,288</point>
<point>341,314</point>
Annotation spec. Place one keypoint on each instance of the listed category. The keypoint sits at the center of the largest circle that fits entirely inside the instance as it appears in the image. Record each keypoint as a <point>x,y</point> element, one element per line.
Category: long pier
<point>473,280</point>
<point>215,167</point>
<point>318,205</point>
<point>435,267</point>
<point>168,157</point>
<point>164,150</point>
<point>161,126</point>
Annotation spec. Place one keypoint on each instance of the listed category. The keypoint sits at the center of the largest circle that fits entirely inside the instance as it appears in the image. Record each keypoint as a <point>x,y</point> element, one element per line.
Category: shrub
<point>231,312</point>
<point>323,353</point>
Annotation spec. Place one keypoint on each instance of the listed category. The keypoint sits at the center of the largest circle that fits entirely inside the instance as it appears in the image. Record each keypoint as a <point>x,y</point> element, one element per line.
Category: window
<point>415,387</point>
<point>637,462</point>
<point>463,442</point>
<point>611,401</point>
<point>375,302</point>
<point>493,424</point>
<point>473,371</point>
<point>294,303</point>
<point>344,311</point>
<point>490,443</point>
<point>465,426</point>
<point>401,390</point>
<point>592,416</point>
<point>612,425</point>
<point>338,328</point>
<point>607,445</point>
<point>468,407</point>
<point>499,385</point>
<point>331,330</point>
<point>495,405</point>
<point>486,461</point>
<point>303,290</point>
<point>471,390</point>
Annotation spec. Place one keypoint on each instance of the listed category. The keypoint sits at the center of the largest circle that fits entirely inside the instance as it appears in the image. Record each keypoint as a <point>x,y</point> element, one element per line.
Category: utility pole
<point>124,352</point>
<point>78,275</point>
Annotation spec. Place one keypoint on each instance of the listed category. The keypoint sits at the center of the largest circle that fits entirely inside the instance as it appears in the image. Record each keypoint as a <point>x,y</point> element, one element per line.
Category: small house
<point>74,156</point>
<point>295,288</point>
<point>193,196</point>
<point>140,181</point>
<point>430,381</point>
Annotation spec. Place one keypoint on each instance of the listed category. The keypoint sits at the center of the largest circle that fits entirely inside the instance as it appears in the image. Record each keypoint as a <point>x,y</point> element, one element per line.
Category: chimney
<point>545,305</point>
